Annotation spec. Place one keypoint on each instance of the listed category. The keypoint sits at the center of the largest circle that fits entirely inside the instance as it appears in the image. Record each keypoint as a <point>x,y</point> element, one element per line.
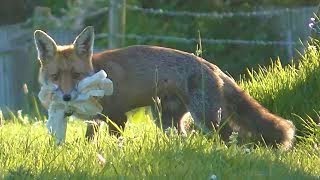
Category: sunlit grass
<point>145,152</point>
<point>291,90</point>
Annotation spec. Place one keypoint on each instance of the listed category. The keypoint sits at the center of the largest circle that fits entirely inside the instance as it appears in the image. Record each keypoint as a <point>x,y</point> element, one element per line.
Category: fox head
<point>65,65</point>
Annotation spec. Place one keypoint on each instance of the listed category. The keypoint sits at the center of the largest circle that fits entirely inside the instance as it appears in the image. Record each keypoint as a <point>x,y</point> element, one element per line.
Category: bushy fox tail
<point>248,115</point>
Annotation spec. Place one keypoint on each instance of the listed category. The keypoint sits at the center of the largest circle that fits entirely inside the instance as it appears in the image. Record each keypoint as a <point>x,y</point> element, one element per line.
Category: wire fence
<point>217,15</point>
<point>294,24</point>
<point>265,13</point>
<point>146,37</point>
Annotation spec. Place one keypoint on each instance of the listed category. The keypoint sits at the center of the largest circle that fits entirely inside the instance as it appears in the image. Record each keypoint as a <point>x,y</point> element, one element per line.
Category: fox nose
<point>66,97</point>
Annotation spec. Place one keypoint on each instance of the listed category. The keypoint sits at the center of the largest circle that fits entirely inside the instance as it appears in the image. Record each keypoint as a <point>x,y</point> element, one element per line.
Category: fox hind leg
<point>93,127</point>
<point>119,120</point>
<point>172,110</point>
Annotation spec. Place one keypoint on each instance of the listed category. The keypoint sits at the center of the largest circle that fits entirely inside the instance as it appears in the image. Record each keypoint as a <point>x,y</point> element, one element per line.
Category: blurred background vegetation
<point>235,58</point>
<point>71,16</point>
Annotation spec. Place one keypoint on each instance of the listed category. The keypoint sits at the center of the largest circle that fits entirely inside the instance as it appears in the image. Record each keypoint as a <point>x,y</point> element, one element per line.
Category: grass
<point>144,152</point>
<point>291,90</point>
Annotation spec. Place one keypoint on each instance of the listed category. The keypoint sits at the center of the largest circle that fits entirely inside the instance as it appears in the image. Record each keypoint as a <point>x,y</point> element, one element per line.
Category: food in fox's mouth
<point>85,105</point>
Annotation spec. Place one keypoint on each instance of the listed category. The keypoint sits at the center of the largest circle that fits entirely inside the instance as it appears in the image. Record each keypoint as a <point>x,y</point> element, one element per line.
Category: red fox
<point>182,81</point>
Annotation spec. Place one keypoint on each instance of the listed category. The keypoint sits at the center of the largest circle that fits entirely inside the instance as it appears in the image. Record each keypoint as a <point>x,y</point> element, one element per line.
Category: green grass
<point>291,90</point>
<point>145,152</point>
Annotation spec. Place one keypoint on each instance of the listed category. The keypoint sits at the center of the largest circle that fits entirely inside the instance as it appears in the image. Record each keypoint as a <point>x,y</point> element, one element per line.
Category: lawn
<point>145,152</point>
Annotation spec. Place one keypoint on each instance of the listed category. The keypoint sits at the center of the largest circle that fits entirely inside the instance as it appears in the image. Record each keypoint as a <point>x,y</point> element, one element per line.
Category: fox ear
<point>84,42</point>
<point>45,45</point>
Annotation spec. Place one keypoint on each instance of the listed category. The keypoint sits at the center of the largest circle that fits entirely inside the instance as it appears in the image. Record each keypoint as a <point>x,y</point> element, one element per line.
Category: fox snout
<point>66,97</point>
<point>69,96</point>
<point>67,87</point>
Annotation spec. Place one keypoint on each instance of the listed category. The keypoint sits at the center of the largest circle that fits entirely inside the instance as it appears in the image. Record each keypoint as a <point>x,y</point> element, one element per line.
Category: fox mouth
<point>67,114</point>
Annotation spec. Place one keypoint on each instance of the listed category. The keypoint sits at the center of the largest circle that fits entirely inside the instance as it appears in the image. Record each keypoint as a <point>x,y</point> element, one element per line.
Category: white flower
<point>101,159</point>
<point>311,25</point>
<point>213,177</point>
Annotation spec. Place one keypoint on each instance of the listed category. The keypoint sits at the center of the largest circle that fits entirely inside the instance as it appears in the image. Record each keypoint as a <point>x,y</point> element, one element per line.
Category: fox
<point>179,81</point>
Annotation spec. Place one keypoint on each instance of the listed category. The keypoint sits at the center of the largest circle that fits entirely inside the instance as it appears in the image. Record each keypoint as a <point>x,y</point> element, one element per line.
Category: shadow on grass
<point>230,164</point>
<point>187,163</point>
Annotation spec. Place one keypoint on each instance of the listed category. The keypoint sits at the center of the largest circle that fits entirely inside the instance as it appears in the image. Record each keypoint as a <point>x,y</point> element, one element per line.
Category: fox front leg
<point>57,125</point>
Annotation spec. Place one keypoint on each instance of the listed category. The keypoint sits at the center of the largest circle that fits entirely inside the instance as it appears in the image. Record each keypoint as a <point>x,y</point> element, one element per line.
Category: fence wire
<point>212,15</point>
<point>204,40</point>
<point>217,15</point>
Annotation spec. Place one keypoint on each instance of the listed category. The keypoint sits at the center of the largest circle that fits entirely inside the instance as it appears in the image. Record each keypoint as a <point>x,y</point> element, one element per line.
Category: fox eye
<point>55,77</point>
<point>76,75</point>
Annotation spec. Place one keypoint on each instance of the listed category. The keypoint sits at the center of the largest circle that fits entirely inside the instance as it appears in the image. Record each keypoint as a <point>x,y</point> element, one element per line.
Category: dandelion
<point>247,150</point>
<point>311,25</point>
<point>314,25</point>
<point>213,177</point>
<point>101,159</point>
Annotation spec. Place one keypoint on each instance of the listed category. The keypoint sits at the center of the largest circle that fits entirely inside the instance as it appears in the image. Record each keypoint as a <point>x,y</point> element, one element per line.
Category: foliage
<point>231,58</point>
<point>145,152</point>
<point>314,26</point>
<point>289,90</point>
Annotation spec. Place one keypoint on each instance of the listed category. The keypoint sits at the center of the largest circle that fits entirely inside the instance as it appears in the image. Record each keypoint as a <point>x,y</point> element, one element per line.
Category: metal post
<point>117,21</point>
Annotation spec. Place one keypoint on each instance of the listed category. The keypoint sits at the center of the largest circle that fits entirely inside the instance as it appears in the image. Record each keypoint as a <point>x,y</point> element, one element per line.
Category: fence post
<point>289,36</point>
<point>117,21</point>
